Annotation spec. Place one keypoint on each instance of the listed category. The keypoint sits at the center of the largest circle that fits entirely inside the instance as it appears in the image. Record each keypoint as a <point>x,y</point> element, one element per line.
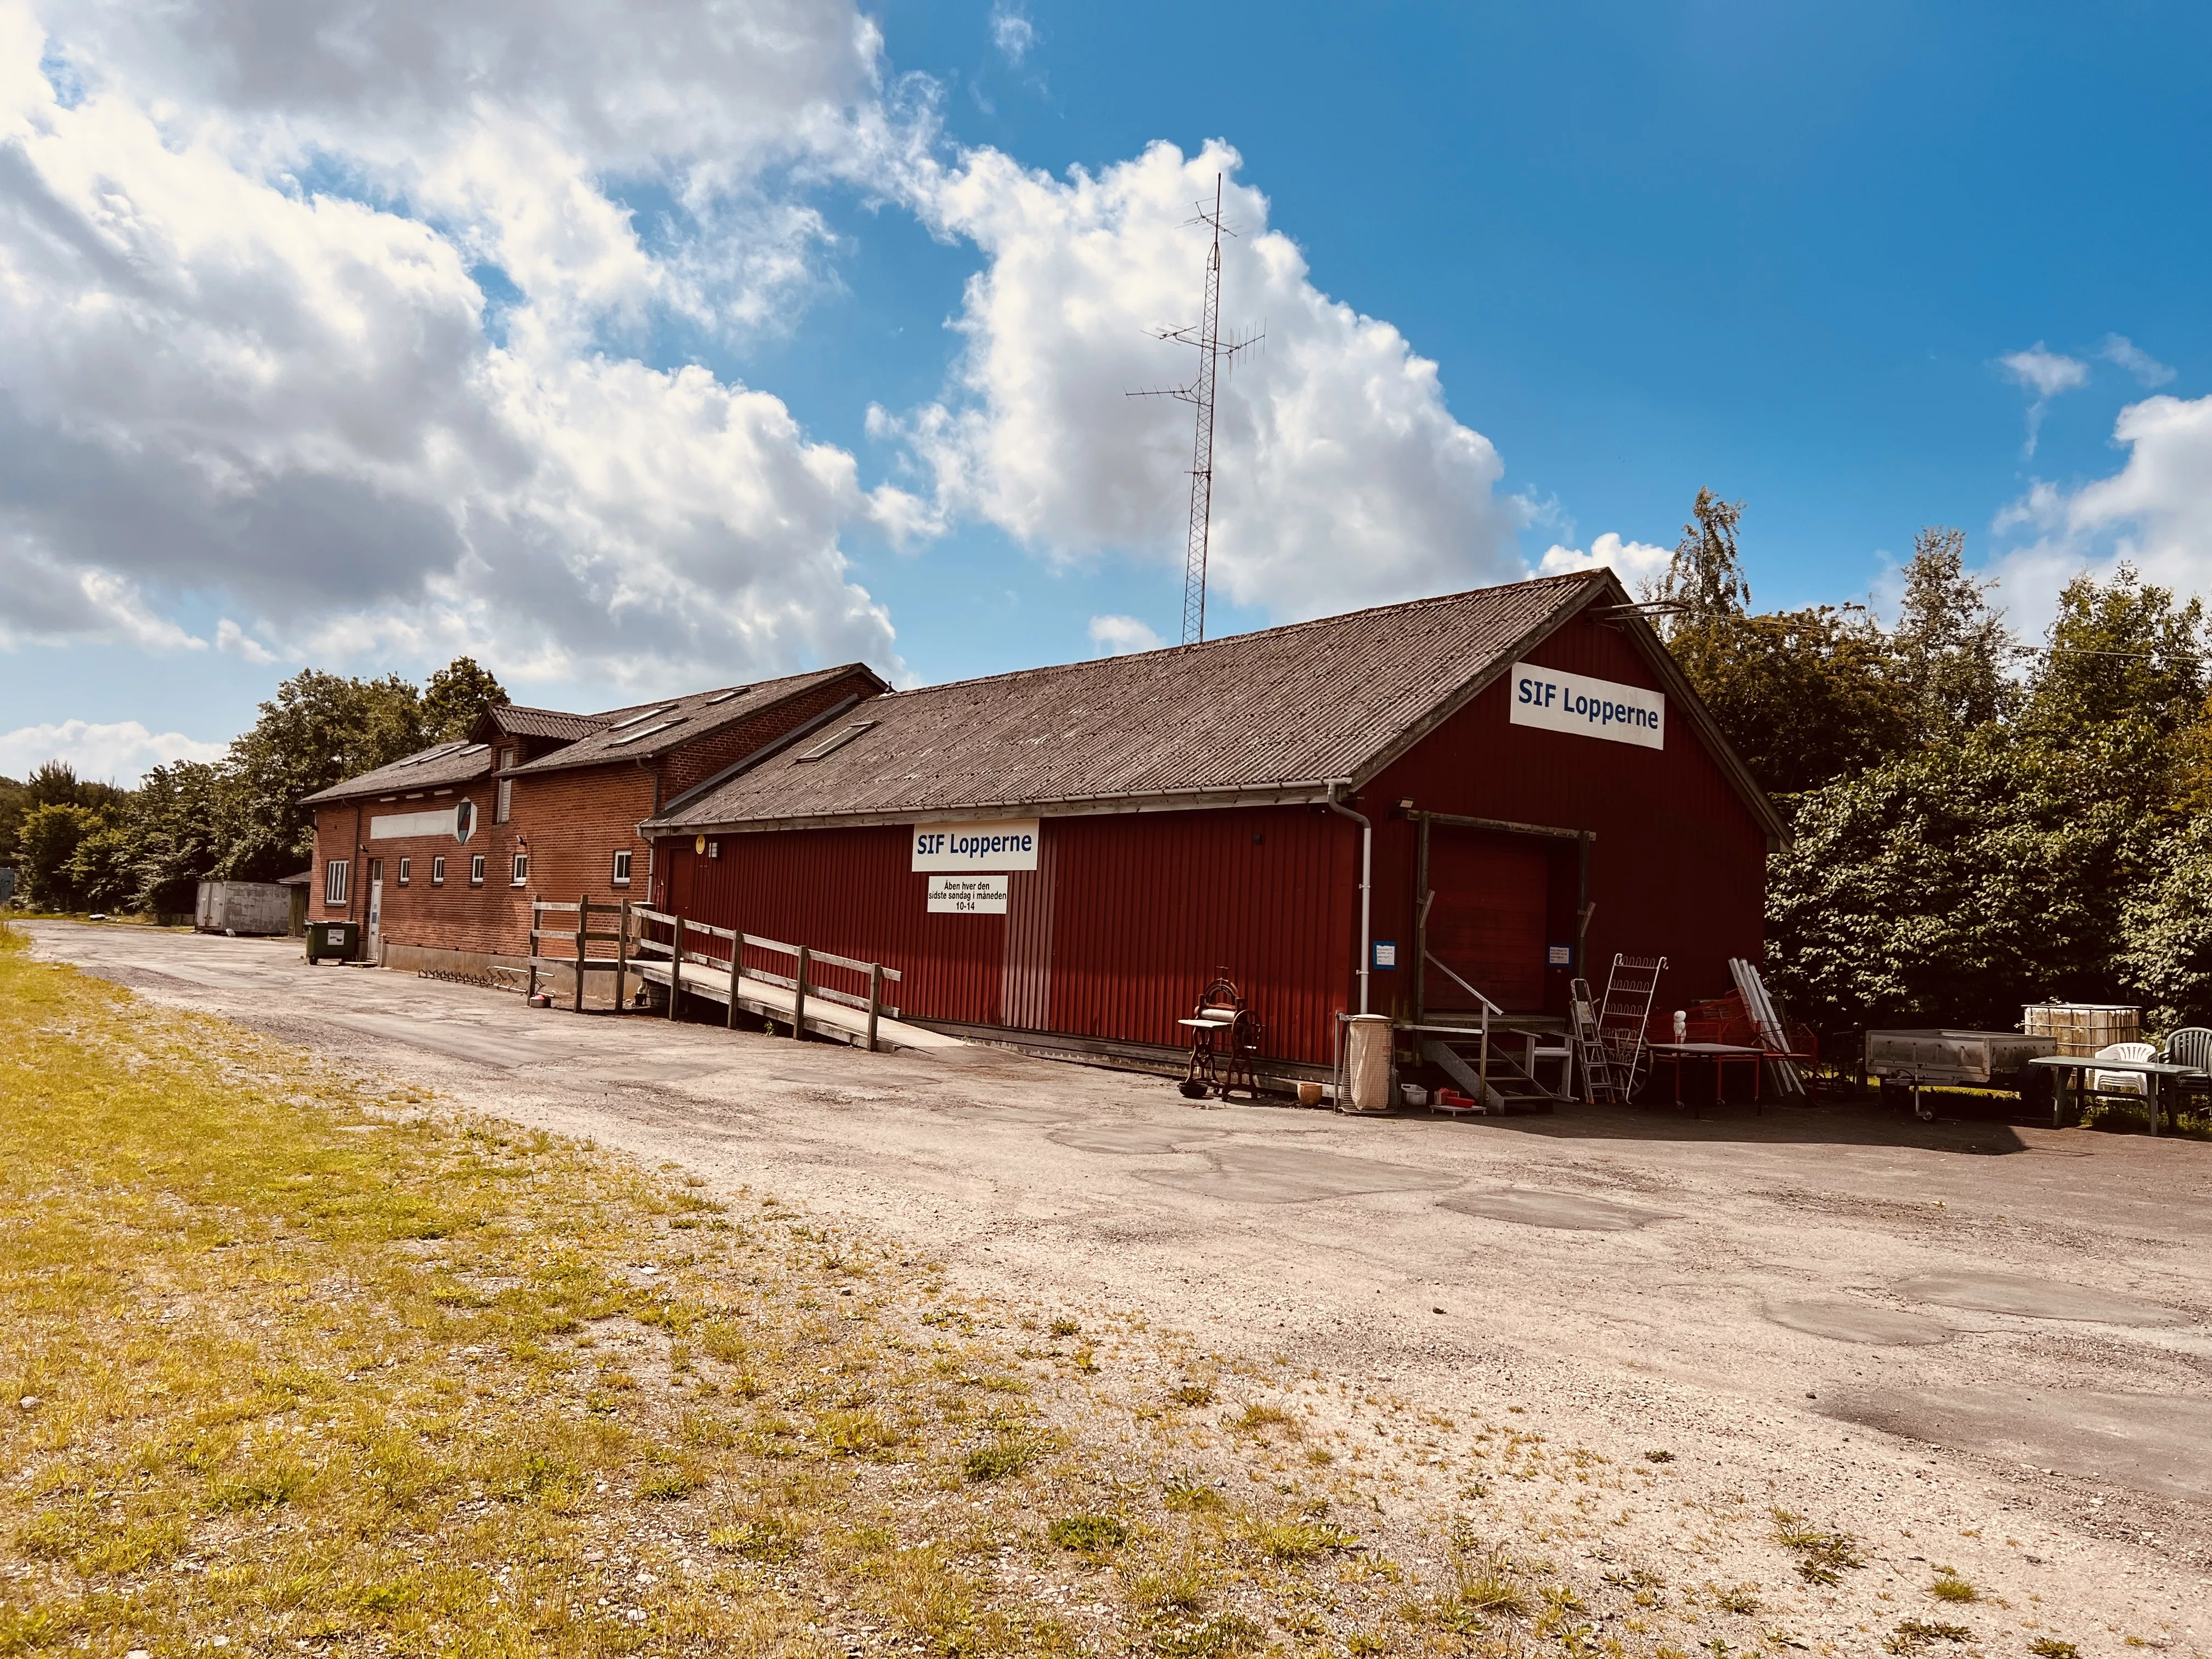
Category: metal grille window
<point>476,870</point>
<point>337,881</point>
<point>437,872</point>
<point>622,868</point>
<point>521,870</point>
<point>406,871</point>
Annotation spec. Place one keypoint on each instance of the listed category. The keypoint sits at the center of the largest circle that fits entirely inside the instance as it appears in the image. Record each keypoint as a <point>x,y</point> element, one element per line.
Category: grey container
<point>243,907</point>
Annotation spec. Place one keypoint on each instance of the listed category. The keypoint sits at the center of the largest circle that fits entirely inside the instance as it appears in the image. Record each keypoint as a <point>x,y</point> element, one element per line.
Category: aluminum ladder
<point>1591,1063</point>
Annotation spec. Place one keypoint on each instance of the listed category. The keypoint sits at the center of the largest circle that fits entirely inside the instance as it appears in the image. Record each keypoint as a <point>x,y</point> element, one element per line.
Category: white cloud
<point>1634,562</point>
<point>2146,369</point>
<point>120,753</point>
<point>1011,33</point>
<point>230,637</point>
<point>2046,374</point>
<point>2156,512</point>
<point>1117,636</point>
<point>219,380</point>
<point>1341,478</point>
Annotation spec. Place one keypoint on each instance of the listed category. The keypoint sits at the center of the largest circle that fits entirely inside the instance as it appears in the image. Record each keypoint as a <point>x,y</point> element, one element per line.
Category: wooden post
<point>875,1001</point>
<point>583,926</point>
<point>676,966</point>
<point>736,950</point>
<point>799,1000</point>
<point>621,958</point>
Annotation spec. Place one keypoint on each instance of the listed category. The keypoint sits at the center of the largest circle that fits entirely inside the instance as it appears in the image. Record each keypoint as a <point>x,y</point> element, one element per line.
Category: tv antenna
<point>1212,351</point>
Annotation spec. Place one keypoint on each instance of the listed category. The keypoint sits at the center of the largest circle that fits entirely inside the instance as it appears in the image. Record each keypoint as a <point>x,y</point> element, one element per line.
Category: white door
<point>369,951</point>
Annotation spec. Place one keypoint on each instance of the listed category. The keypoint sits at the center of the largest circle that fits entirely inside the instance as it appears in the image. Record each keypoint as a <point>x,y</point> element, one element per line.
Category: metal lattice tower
<point>1212,351</point>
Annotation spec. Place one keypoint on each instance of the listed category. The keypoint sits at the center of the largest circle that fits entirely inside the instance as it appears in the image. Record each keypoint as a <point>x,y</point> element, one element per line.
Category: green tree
<point>2120,650</point>
<point>14,799</point>
<point>103,872</point>
<point>456,695</point>
<point>48,836</point>
<point>1706,573</point>
<point>1952,651</point>
<point>319,728</point>
<point>2167,929</point>
<point>1956,883</point>
<point>182,818</point>
<point>1805,696</point>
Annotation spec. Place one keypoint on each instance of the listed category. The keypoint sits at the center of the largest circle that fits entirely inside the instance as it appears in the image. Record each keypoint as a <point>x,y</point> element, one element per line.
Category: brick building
<point>439,854</point>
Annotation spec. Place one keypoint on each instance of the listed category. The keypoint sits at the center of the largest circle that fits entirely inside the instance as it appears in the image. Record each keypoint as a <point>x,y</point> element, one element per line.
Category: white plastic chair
<point>2122,1082</point>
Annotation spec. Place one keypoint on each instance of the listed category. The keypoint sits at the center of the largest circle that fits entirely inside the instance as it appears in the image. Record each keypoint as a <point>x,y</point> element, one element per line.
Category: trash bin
<point>1367,1063</point>
<point>333,941</point>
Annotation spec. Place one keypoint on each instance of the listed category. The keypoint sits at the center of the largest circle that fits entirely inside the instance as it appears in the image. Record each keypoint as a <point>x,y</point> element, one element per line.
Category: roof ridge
<point>1280,628</point>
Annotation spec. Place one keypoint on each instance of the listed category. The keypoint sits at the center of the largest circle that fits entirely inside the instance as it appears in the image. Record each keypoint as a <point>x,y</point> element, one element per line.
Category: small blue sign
<point>1386,953</point>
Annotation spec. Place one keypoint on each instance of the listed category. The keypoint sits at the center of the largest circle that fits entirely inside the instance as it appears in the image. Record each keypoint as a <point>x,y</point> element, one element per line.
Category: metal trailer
<point>1910,1060</point>
<point>243,907</point>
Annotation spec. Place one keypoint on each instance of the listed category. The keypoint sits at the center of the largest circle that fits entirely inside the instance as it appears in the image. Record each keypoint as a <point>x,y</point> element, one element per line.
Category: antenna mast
<point>1212,350</point>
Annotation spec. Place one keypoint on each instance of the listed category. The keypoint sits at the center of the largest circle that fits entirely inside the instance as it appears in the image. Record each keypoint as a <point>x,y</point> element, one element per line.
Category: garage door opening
<point>1498,906</point>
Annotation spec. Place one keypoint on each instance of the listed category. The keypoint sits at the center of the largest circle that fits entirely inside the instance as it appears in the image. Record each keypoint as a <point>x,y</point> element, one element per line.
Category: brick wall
<point>570,823</point>
<point>691,765</point>
<point>455,916</point>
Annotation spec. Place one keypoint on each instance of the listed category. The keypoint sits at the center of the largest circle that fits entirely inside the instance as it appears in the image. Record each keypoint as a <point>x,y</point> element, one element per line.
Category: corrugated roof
<point>440,766</point>
<point>543,722</point>
<point>1293,706</point>
<point>653,728</point>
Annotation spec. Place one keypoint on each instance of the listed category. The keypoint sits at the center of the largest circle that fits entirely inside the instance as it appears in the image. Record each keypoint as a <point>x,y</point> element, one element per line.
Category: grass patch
<point>1823,1556</point>
<point>1007,1453</point>
<point>1299,1540</point>
<point>1911,1635</point>
<point>1949,1587</point>
<point>1088,1533</point>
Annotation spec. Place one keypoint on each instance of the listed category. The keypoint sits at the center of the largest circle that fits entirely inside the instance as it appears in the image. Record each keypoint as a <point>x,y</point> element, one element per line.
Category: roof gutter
<point>1289,791</point>
<point>1366,882</point>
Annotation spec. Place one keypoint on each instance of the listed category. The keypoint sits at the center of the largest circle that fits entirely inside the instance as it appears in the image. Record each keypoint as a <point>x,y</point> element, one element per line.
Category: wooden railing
<point>583,938</point>
<point>803,981</point>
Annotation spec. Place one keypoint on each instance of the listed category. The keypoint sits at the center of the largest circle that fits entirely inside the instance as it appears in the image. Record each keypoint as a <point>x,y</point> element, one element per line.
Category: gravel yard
<point>1975,1346</point>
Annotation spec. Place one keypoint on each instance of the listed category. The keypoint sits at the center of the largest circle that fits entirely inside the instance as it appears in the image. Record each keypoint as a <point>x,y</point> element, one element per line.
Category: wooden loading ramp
<point>772,1001</point>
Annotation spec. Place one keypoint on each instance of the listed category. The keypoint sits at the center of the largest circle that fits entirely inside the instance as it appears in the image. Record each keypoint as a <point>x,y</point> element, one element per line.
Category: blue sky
<point>1784,252</point>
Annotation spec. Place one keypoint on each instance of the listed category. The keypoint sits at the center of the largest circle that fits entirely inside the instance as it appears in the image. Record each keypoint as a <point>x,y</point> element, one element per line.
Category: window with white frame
<point>406,871</point>
<point>476,870</point>
<point>521,870</point>
<point>621,867</point>
<point>337,881</point>
<point>437,872</point>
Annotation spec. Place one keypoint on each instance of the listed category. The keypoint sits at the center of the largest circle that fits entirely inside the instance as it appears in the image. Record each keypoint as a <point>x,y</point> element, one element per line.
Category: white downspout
<point>1366,884</point>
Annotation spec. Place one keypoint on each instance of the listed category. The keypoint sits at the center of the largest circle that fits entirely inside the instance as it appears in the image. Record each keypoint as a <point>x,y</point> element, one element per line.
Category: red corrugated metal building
<point>1526,757</point>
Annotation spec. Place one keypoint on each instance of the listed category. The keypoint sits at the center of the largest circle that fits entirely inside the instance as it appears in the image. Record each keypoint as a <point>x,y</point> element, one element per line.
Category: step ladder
<point>1592,1064</point>
<point>1629,991</point>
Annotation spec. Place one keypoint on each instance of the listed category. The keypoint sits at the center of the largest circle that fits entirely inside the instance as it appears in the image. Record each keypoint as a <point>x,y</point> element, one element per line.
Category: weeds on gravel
<point>1949,1587</point>
<point>1914,1634</point>
<point>2050,1647</point>
<point>1823,1558</point>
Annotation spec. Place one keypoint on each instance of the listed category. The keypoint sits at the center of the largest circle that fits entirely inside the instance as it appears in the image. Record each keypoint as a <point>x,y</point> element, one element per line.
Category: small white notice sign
<point>1002,844</point>
<point>1559,701</point>
<point>968,896</point>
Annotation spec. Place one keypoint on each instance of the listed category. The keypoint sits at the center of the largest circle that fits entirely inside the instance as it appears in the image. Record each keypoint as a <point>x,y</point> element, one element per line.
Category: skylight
<point>634,720</point>
<point>837,740</point>
<point>646,733</point>
<point>724,696</point>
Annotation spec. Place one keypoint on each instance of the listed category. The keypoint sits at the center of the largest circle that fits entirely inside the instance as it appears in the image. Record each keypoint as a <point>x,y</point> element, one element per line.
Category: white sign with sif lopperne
<point>1559,701</point>
<point>950,848</point>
